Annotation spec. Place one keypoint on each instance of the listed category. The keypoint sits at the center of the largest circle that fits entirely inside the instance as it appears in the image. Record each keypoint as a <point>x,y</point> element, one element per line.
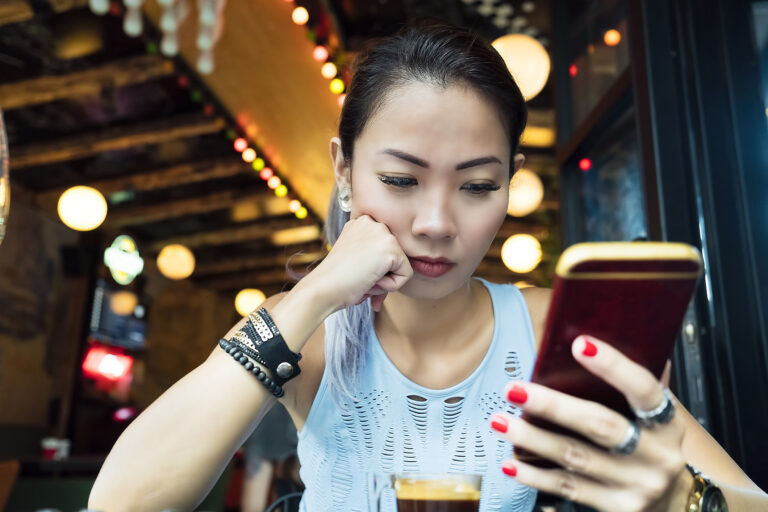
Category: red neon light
<point>99,362</point>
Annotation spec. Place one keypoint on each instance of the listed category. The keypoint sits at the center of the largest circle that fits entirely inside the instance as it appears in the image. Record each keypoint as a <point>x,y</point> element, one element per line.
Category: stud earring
<point>345,199</point>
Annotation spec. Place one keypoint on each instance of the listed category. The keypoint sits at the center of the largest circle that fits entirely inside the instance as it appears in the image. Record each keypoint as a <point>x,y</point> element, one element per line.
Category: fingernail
<point>590,350</point>
<point>509,469</point>
<point>517,394</point>
<point>499,423</point>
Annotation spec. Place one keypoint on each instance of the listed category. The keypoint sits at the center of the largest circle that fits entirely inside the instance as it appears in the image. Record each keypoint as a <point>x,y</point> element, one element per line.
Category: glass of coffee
<point>434,492</point>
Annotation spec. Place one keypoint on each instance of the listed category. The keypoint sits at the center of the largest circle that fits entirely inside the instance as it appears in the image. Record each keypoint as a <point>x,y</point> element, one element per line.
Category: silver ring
<point>663,413</point>
<point>629,444</point>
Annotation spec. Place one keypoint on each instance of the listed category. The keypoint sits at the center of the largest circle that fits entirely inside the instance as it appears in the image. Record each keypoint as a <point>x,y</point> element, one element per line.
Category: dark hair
<point>435,53</point>
<point>429,52</point>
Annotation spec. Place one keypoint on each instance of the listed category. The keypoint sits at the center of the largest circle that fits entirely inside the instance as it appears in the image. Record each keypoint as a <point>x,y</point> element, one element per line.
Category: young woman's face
<point>433,165</point>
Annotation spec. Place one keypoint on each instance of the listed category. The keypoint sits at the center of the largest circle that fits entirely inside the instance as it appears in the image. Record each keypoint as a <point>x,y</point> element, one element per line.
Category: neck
<point>432,324</point>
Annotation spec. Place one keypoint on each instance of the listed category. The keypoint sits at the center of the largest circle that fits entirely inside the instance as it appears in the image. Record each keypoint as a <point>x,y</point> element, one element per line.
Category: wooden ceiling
<point>84,104</point>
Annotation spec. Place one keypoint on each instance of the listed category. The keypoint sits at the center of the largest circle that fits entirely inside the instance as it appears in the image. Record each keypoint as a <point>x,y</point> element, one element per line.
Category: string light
<point>273,182</point>
<point>82,208</point>
<point>573,70</point>
<point>249,155</point>
<point>301,213</point>
<point>294,206</point>
<point>328,70</point>
<point>266,173</point>
<point>337,86</point>
<point>281,191</point>
<point>585,164</point>
<point>300,16</point>
<point>240,144</point>
<point>320,53</point>
<point>340,100</point>
<point>258,164</point>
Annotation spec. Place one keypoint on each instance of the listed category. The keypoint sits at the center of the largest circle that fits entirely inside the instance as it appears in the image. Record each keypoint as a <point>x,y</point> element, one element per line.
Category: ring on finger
<point>631,438</point>
<point>663,413</point>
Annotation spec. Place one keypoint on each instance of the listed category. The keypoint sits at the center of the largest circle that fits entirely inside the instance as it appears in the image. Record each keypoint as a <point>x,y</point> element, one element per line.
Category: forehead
<point>428,120</point>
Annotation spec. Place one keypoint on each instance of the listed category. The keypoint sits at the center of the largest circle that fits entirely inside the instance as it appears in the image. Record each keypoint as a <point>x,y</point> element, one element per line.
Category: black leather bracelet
<point>270,345</point>
<point>236,351</point>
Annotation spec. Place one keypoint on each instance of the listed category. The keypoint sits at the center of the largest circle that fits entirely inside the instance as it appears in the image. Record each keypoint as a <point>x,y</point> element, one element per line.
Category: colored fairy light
<point>281,191</point>
<point>294,206</point>
<point>585,164</point>
<point>258,164</point>
<point>300,16</point>
<point>266,173</point>
<point>337,86</point>
<point>240,144</point>
<point>249,155</point>
<point>301,213</point>
<point>573,70</point>
<point>273,182</point>
<point>320,53</point>
<point>340,100</point>
<point>328,70</point>
<point>612,37</point>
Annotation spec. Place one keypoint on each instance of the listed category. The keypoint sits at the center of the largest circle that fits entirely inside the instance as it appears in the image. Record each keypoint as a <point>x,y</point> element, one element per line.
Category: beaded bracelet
<point>240,356</point>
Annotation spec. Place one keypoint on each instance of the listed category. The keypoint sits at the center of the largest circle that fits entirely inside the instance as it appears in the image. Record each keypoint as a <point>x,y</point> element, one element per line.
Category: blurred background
<point>166,161</point>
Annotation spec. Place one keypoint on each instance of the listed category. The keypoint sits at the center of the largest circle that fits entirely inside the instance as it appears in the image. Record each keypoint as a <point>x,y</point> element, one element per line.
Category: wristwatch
<point>705,496</point>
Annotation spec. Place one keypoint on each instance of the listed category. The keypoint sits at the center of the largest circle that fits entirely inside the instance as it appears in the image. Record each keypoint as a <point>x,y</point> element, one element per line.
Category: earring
<point>345,199</point>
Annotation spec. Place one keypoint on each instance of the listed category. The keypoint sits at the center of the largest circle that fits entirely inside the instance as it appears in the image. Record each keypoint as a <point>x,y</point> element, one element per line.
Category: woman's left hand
<point>652,477</point>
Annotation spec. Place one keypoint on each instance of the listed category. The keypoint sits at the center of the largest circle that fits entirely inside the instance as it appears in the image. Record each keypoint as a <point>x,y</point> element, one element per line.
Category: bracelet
<point>239,355</point>
<point>267,341</point>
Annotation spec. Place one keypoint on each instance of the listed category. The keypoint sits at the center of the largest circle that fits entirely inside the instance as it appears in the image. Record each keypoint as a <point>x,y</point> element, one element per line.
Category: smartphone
<point>632,295</point>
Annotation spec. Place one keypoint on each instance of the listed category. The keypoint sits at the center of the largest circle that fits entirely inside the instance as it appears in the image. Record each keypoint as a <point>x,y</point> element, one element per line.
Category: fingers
<point>594,421</point>
<point>570,486</point>
<point>636,383</point>
<point>377,301</point>
<point>570,453</point>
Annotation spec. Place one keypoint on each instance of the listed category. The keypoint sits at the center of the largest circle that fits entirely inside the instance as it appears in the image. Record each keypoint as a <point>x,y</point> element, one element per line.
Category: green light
<point>258,164</point>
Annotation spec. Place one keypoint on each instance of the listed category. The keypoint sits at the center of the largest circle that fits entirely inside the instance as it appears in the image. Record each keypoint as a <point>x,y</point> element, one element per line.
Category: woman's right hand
<point>366,261</point>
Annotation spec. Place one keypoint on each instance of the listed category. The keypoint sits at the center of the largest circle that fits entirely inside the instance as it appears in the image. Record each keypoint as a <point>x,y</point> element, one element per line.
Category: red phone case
<point>635,304</point>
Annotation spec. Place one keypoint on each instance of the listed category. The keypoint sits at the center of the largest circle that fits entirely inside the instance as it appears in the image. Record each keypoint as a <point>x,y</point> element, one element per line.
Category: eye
<point>480,188</point>
<point>398,181</point>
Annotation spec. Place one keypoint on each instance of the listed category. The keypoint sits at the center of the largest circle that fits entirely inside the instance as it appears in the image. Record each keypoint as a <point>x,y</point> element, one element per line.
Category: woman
<point>405,355</point>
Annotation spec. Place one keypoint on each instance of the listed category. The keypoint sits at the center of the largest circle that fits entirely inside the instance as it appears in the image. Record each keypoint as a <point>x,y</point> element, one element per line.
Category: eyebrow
<point>402,155</point>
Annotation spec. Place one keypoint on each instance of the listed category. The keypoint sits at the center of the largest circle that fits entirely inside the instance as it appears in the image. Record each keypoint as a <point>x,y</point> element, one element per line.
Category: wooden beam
<point>66,5</point>
<point>176,175</point>
<point>112,139</point>
<point>83,83</point>
<point>261,262</point>
<point>14,11</point>
<point>136,215</point>
<point>253,279</point>
<point>233,235</point>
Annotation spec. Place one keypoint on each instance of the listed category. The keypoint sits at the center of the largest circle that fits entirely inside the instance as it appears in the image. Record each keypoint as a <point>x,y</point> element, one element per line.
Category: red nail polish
<point>517,394</point>
<point>590,350</point>
<point>509,469</point>
<point>499,423</point>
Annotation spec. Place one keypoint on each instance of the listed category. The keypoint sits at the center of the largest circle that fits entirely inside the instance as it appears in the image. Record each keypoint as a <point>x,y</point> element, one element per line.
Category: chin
<point>428,288</point>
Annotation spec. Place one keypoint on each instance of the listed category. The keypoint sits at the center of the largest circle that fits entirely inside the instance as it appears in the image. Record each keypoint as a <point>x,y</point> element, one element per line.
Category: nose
<point>435,218</point>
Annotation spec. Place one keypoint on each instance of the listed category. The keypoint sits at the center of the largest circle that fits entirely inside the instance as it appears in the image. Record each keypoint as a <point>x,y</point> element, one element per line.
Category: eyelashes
<point>473,188</point>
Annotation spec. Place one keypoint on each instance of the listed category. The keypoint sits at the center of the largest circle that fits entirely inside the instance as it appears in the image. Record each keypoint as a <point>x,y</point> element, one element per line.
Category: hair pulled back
<point>428,52</point>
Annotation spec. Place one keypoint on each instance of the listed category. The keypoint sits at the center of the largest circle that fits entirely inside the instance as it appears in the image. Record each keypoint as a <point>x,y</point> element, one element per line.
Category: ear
<point>340,168</point>
<point>519,160</point>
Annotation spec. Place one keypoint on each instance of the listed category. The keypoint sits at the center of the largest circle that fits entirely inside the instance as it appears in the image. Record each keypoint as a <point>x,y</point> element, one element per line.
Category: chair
<point>9,470</point>
<point>285,500</point>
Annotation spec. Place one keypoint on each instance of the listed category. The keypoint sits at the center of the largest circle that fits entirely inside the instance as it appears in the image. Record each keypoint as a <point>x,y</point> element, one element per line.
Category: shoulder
<point>537,300</point>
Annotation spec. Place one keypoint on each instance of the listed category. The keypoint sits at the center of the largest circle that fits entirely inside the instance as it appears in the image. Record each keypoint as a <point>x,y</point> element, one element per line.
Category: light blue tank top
<point>395,425</point>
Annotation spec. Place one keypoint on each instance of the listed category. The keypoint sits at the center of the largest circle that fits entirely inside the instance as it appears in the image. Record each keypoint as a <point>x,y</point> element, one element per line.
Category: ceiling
<point>84,104</point>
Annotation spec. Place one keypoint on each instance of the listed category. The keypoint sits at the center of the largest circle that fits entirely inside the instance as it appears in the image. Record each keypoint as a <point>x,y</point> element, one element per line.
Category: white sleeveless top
<point>395,425</point>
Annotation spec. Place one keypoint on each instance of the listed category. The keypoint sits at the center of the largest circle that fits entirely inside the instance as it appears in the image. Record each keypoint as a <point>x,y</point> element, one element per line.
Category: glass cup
<point>431,492</point>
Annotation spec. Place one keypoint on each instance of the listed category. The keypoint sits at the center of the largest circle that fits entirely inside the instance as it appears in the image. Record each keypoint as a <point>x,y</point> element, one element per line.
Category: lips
<point>431,267</point>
